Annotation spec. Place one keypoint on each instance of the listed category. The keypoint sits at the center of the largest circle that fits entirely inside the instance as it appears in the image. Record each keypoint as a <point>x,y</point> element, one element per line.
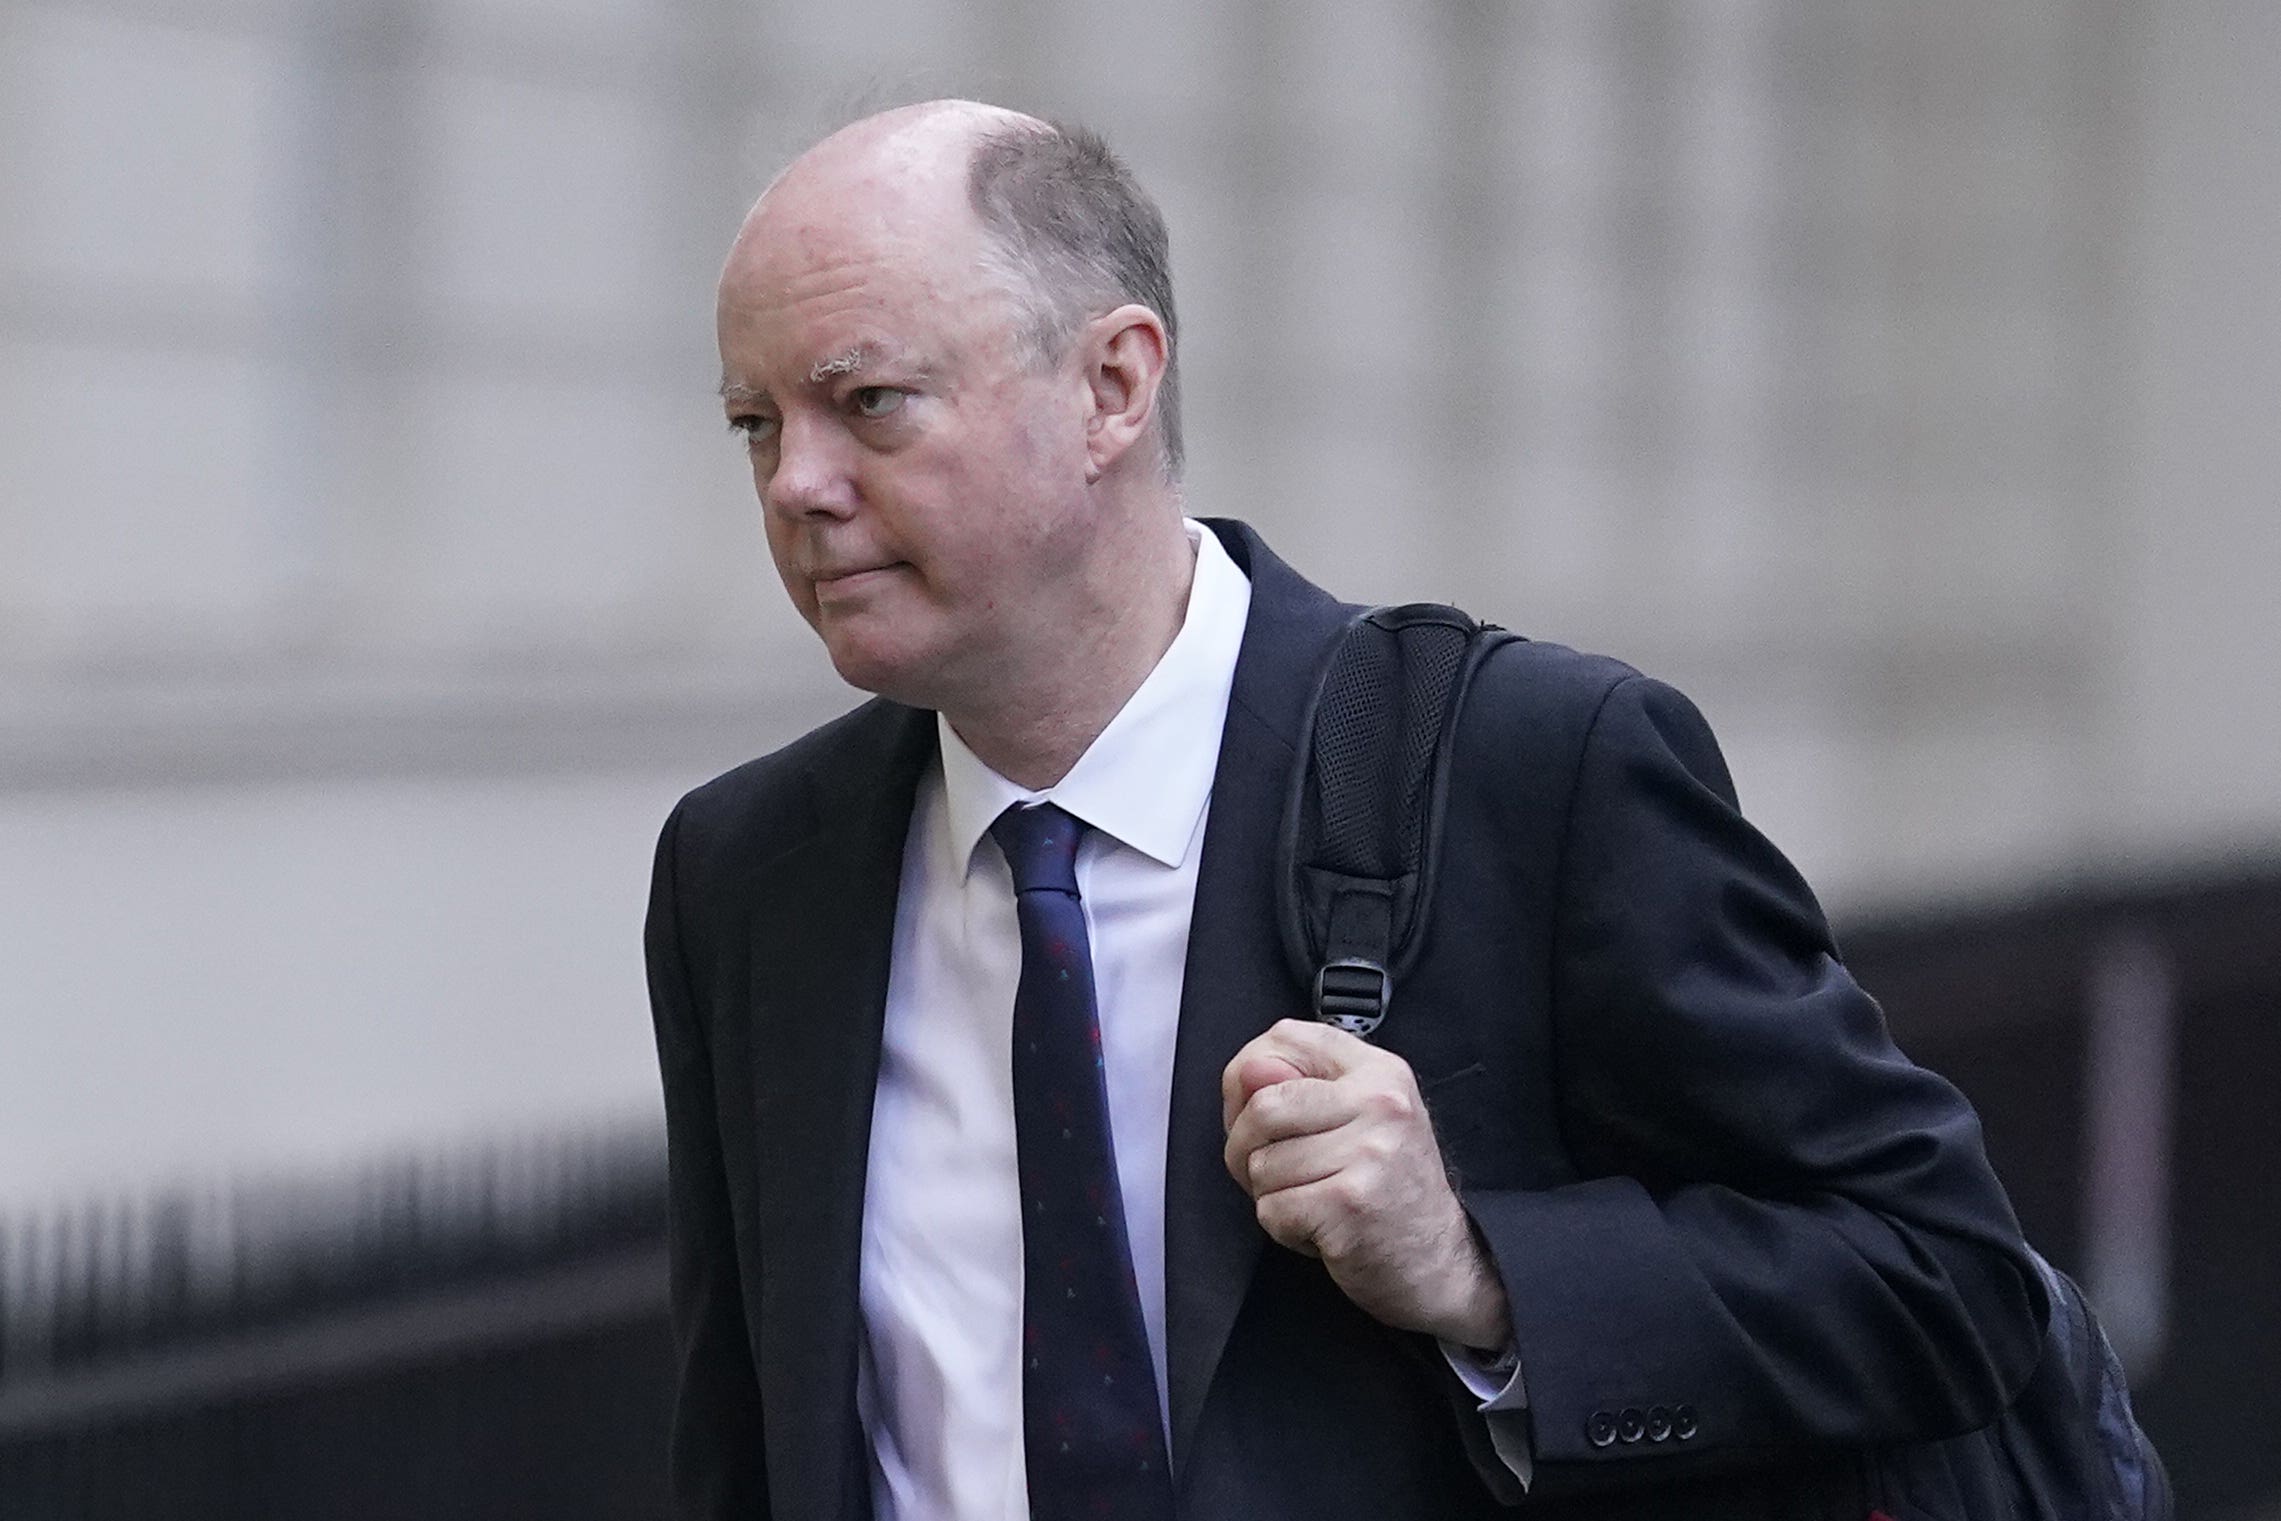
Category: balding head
<point>930,138</point>
<point>909,161</point>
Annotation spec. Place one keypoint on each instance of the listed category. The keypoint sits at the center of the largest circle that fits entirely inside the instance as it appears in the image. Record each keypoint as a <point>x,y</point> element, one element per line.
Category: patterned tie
<point>1091,1431</point>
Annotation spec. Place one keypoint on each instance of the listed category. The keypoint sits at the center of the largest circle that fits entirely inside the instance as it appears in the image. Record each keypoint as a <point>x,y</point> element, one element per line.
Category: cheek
<point>1048,440</point>
<point>780,551</point>
<point>778,537</point>
<point>1029,476</point>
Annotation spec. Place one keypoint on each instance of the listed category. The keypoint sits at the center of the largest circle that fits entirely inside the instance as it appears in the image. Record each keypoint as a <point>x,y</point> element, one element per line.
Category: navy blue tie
<point>1091,1432</point>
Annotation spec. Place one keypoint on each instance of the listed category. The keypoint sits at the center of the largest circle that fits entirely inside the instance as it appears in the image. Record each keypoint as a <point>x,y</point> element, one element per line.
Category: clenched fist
<point>1329,1137</point>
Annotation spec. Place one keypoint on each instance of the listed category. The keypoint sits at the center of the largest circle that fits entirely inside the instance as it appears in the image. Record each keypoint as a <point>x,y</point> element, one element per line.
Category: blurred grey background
<point>1900,380</point>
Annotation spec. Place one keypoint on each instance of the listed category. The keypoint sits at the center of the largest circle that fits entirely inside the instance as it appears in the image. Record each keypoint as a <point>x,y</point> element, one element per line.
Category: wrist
<point>1481,1317</point>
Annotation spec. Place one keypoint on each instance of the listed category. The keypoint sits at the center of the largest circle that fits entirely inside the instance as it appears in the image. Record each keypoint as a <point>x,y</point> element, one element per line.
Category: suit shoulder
<point>768,804</point>
<point>1537,681</point>
<point>1556,706</point>
<point>1543,705</point>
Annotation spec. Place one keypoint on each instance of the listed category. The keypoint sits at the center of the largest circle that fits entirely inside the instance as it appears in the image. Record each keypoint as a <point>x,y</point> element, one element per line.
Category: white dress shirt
<point>938,1382</point>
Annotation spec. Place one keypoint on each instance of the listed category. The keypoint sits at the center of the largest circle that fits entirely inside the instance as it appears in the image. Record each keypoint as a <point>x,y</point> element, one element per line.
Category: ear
<point>1125,354</point>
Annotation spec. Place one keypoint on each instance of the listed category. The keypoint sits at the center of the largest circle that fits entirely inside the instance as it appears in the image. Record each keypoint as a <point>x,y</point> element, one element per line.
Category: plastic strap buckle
<point>1352,994</point>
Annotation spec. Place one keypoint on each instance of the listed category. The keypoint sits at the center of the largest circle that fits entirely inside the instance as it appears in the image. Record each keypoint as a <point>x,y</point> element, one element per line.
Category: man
<point>1005,1181</point>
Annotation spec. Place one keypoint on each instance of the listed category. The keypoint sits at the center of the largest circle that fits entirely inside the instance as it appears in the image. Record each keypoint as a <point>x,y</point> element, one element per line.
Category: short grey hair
<point>1078,237</point>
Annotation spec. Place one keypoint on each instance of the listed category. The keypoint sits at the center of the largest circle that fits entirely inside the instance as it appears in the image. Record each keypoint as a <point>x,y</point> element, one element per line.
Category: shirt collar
<point>1146,777</point>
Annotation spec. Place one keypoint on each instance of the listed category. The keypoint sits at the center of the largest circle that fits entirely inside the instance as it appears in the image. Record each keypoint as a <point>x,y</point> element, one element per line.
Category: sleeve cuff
<point>1497,1385</point>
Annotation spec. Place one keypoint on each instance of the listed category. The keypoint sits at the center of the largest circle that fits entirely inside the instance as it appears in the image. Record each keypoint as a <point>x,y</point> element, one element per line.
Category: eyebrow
<point>852,361</point>
<point>846,362</point>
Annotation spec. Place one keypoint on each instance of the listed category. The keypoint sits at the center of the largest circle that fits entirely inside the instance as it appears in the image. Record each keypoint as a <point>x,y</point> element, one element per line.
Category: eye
<point>876,401</point>
<point>753,427</point>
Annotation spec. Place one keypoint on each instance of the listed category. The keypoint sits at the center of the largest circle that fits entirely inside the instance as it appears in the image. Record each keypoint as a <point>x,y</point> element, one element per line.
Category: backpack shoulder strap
<point>1362,822</point>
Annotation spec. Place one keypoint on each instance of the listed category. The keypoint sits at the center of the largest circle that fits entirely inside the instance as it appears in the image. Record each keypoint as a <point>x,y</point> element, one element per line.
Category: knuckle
<point>1390,1103</point>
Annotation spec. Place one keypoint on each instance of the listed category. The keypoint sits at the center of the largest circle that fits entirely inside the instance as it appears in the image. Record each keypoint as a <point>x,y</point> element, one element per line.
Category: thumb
<point>1257,1072</point>
<point>1249,1072</point>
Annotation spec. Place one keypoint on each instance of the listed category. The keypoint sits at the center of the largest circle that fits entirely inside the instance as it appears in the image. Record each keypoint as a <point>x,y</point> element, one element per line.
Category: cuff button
<point>1600,1430</point>
<point>1658,1424</point>
<point>1630,1426</point>
<point>1683,1422</point>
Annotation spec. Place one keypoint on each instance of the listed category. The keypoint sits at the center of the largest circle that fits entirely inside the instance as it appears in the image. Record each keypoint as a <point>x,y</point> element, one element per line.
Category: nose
<point>811,476</point>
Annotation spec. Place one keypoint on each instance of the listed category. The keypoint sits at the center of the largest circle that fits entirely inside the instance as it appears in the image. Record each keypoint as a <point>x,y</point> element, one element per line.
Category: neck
<point>1034,730</point>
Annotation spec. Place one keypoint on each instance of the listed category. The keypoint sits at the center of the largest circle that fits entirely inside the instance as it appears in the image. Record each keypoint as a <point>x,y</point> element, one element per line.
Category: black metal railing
<point>297,1337</point>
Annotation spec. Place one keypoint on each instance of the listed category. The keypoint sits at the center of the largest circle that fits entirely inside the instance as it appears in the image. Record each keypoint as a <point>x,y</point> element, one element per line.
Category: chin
<point>895,674</point>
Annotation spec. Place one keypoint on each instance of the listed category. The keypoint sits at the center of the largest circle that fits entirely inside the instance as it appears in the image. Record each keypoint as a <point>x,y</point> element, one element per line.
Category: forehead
<point>817,278</point>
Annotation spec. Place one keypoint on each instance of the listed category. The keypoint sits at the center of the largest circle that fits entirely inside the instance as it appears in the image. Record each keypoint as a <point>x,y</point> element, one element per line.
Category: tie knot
<point>1040,844</point>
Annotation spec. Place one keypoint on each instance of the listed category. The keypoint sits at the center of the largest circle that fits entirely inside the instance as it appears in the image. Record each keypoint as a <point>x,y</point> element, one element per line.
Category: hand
<point>1328,1135</point>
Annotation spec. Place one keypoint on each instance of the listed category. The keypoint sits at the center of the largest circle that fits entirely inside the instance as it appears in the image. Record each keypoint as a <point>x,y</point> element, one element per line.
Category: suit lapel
<point>819,991</point>
<point>1236,982</point>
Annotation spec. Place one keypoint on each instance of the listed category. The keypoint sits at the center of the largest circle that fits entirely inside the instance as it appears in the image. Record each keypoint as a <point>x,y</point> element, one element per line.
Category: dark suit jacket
<point>1707,1177</point>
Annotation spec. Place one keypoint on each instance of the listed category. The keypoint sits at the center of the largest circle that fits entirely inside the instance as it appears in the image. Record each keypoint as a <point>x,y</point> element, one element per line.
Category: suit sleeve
<point>716,1461</point>
<point>1786,1236</point>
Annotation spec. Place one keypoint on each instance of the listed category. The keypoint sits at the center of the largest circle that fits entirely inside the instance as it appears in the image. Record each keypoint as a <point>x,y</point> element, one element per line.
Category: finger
<point>1289,1219</point>
<point>1381,1080</point>
<point>1298,1106</point>
<point>1251,1070</point>
<point>1311,1218</point>
<point>1256,1072</point>
<point>1317,1049</point>
<point>1296,1162</point>
<point>1310,1049</point>
<point>1245,1077</point>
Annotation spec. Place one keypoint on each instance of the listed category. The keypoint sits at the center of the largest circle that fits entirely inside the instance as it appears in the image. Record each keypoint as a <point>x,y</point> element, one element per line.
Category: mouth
<point>851,579</point>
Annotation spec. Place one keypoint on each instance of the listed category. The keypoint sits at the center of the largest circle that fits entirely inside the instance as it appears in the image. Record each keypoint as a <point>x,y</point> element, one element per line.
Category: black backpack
<point>1361,831</point>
